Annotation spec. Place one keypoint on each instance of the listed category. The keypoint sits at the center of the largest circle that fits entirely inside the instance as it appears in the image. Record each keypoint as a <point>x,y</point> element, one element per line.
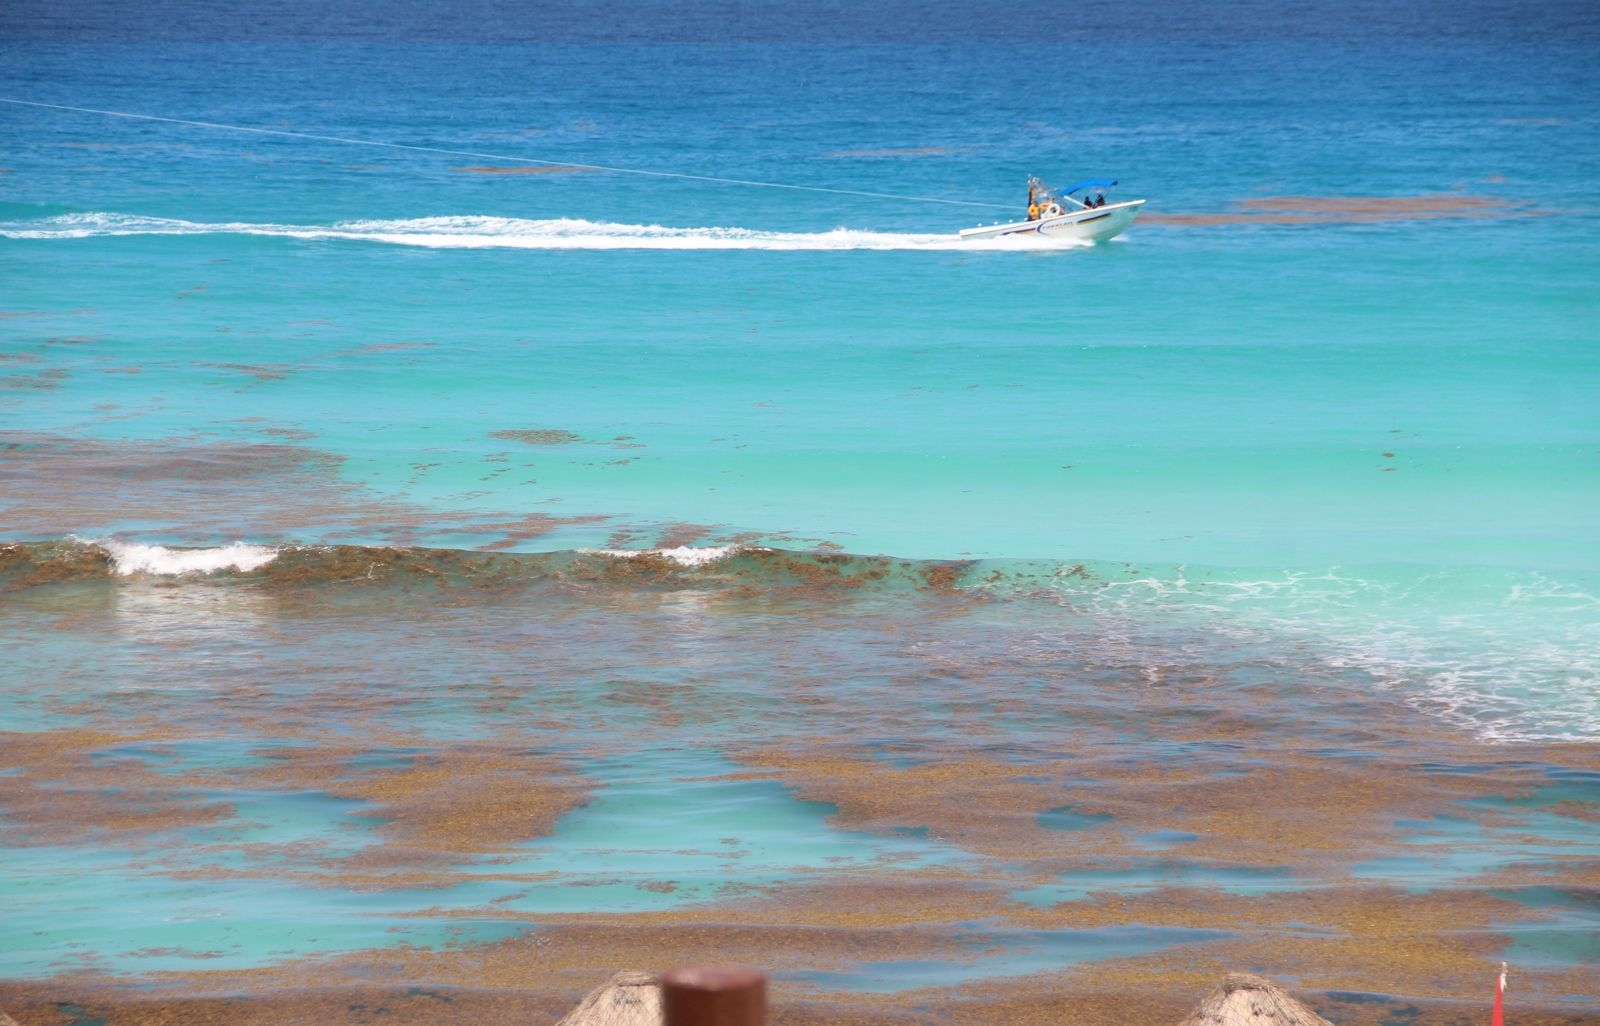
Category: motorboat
<point>1077,212</point>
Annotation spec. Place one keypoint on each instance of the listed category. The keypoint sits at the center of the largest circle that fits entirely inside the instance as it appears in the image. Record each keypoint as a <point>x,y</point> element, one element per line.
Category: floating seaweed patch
<point>384,347</point>
<point>259,371</point>
<point>447,801</point>
<point>63,794</point>
<point>1290,210</point>
<point>26,565</point>
<point>43,381</point>
<point>182,488</point>
<point>539,436</point>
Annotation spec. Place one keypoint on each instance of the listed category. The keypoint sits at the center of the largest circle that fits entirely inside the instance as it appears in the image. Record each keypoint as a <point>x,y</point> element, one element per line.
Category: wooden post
<point>714,996</point>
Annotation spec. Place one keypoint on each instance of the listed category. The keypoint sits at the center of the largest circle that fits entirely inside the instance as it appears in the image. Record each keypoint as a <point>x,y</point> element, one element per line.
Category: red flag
<point>1499,995</point>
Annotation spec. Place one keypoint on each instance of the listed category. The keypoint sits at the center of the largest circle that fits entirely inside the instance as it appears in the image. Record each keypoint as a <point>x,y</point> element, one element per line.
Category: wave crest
<point>1505,655</point>
<point>128,558</point>
<point>683,555</point>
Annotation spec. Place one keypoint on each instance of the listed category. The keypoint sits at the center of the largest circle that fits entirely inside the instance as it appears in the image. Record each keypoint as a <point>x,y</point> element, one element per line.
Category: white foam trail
<point>683,555</point>
<point>131,558</point>
<point>468,232</point>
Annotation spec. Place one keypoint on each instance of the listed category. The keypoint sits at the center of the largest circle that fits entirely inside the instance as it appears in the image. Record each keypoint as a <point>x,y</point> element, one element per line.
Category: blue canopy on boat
<point>1090,183</point>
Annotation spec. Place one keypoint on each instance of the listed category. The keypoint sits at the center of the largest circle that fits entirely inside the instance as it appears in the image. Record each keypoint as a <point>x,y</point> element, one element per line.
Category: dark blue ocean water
<point>276,276</point>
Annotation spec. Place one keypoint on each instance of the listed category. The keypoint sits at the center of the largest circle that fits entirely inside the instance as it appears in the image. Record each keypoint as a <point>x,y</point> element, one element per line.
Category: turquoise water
<point>208,899</point>
<point>1320,426</point>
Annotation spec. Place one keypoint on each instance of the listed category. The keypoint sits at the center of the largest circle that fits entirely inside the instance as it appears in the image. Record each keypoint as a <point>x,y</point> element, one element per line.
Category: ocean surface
<point>489,486</point>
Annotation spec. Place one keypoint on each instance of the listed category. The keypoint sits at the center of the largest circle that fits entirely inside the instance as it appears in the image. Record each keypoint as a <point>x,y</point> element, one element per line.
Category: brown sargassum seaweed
<point>1300,785</point>
<point>1297,811</point>
<point>1301,210</point>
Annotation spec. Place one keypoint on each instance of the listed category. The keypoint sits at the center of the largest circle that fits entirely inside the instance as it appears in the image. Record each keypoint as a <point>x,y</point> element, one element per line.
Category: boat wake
<point>475,232</point>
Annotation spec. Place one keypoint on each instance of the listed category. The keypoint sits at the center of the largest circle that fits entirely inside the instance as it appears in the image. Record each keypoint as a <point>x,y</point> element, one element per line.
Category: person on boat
<point>1033,199</point>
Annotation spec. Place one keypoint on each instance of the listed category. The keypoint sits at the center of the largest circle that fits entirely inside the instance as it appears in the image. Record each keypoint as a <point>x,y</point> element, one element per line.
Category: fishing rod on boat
<point>288,134</point>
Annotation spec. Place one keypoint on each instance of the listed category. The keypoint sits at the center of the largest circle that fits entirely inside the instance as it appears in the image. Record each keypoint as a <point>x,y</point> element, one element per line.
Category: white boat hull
<point>1093,225</point>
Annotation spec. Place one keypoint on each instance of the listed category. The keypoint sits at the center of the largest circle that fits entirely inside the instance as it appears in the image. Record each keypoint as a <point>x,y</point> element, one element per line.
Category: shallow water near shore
<point>428,571</point>
<point>738,741</point>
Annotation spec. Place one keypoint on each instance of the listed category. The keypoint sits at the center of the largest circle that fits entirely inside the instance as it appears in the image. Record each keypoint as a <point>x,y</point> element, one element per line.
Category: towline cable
<point>287,134</point>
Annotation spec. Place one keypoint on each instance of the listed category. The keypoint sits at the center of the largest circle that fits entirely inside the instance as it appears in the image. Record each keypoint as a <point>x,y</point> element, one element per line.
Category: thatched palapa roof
<point>1245,1000</point>
<point>630,998</point>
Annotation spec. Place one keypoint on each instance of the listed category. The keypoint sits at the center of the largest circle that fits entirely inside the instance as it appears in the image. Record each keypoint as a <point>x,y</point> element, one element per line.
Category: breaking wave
<point>1504,655</point>
<point>472,232</point>
<point>683,555</point>
<point>129,558</point>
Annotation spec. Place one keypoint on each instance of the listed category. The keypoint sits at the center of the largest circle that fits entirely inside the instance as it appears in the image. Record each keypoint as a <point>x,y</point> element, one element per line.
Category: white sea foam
<point>469,232</point>
<point>684,555</point>
<point>131,558</point>
<point>1509,656</point>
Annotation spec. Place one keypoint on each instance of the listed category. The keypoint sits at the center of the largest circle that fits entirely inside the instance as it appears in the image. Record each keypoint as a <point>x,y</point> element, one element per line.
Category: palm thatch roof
<point>1245,1000</point>
<point>630,998</point>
